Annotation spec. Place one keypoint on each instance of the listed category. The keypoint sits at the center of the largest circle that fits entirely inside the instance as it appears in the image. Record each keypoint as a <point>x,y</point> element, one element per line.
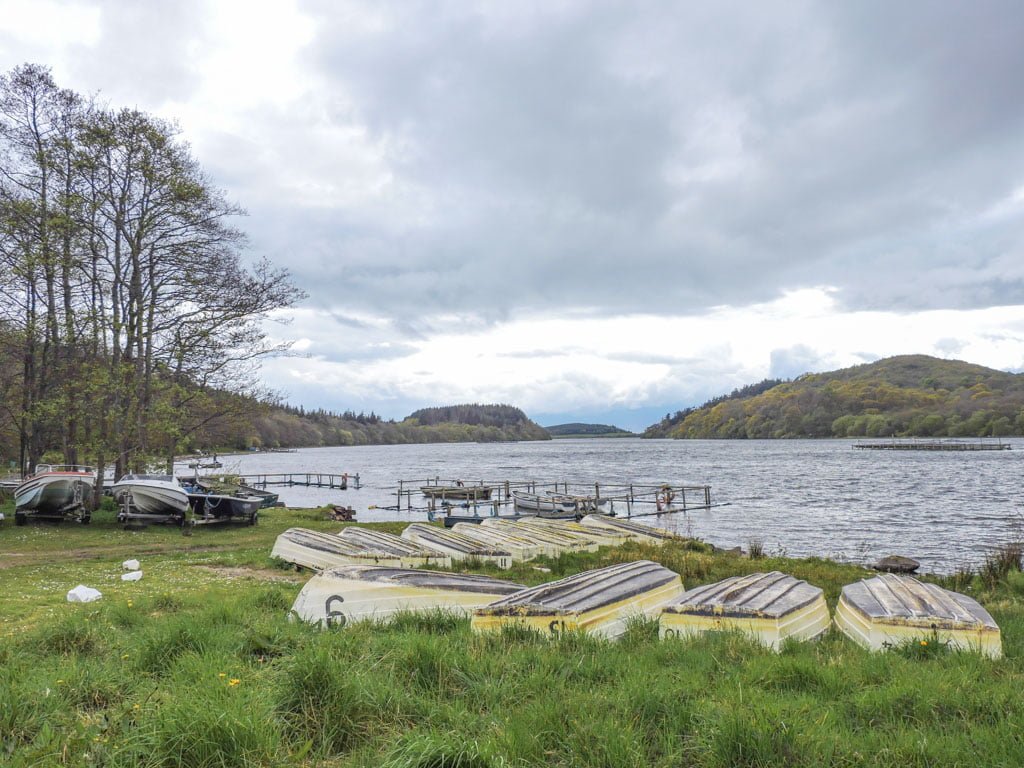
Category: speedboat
<point>55,491</point>
<point>154,498</point>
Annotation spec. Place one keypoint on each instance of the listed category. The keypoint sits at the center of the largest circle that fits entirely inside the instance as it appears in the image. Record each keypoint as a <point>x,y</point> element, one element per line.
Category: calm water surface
<point>801,497</point>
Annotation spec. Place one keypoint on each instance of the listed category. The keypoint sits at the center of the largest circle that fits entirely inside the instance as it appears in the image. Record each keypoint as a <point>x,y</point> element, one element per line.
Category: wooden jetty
<point>620,499</point>
<point>309,479</point>
<point>934,445</point>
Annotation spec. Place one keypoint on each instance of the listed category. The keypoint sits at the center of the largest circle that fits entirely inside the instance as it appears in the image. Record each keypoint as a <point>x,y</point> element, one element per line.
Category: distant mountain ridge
<point>907,395</point>
<point>577,429</point>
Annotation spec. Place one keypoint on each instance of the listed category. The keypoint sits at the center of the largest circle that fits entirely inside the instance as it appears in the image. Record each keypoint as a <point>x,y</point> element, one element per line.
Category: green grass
<point>198,665</point>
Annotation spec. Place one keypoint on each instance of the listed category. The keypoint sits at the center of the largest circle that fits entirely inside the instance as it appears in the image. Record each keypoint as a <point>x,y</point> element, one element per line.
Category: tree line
<point>905,396</point>
<point>125,304</point>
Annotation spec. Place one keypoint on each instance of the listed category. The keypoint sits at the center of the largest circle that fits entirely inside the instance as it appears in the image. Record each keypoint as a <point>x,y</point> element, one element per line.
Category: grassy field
<point>198,665</point>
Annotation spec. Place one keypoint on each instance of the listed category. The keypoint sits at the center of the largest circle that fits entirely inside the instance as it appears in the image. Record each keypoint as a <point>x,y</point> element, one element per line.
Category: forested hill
<point>586,430</point>
<point>909,395</point>
<point>289,427</point>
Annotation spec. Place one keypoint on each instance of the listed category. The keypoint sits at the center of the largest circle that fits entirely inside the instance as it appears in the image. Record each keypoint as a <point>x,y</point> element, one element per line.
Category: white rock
<point>83,594</point>
<point>130,565</point>
<point>133,576</point>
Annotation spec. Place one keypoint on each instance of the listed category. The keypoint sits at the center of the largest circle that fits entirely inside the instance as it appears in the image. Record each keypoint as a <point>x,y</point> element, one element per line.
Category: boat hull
<point>53,493</point>
<point>601,602</point>
<point>889,610</point>
<point>456,546</point>
<point>342,596</point>
<point>320,551</point>
<point>152,497</point>
<point>411,555</point>
<point>768,607</point>
<point>520,549</point>
<point>642,532</point>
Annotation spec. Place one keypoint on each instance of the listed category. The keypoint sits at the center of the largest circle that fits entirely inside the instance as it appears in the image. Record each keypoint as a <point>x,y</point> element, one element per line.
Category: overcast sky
<point>592,210</point>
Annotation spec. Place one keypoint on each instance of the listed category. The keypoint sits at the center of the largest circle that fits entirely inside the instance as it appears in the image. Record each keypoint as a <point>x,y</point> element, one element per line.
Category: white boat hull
<point>53,493</point>
<point>152,497</point>
<point>341,596</point>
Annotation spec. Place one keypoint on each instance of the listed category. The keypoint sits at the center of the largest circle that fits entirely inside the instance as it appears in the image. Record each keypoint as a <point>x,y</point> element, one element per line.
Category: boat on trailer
<point>521,549</point>
<point>319,551</point>
<point>889,610</point>
<point>645,533</point>
<point>769,607</point>
<point>209,507</point>
<point>55,492</point>
<point>412,555</point>
<point>150,499</point>
<point>344,595</point>
<point>456,546</point>
<point>600,602</point>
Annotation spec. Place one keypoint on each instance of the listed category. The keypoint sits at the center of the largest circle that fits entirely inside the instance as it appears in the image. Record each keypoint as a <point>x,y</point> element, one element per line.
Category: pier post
<point>357,481</point>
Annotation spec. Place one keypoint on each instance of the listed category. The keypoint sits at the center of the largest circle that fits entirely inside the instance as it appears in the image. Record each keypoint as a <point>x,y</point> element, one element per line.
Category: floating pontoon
<point>888,610</point>
<point>356,593</point>
<point>642,532</point>
<point>455,545</point>
<point>412,555</point>
<point>770,607</point>
<point>317,550</point>
<point>600,602</point>
<point>521,549</point>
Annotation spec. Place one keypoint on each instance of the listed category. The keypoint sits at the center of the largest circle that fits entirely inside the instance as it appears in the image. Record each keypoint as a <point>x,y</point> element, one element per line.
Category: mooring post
<point>357,481</point>
<point>707,496</point>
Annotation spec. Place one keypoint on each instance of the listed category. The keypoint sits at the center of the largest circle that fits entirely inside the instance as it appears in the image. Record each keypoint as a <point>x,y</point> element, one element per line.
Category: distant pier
<point>934,445</point>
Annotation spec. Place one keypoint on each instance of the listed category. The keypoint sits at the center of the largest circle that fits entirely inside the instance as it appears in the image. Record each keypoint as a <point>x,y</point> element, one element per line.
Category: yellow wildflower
<point>924,642</point>
<point>234,681</point>
<point>222,674</point>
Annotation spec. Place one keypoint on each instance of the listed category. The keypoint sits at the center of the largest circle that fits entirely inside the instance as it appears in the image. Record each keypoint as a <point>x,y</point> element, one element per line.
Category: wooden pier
<point>934,445</point>
<point>308,479</point>
<point>623,499</point>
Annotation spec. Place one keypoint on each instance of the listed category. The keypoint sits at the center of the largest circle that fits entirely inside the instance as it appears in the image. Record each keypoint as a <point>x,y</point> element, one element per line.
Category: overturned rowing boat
<point>455,545</point>
<point>521,549</point>
<point>553,543</point>
<point>601,602</point>
<point>412,555</point>
<point>769,607</point>
<point>344,595</point>
<point>890,610</point>
<point>603,536</point>
<point>645,533</point>
<point>318,551</point>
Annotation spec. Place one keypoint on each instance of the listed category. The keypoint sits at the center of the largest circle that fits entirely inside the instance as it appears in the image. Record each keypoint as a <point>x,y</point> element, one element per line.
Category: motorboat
<point>344,595</point>
<point>56,491</point>
<point>209,507</point>
<point>150,498</point>
<point>769,607</point>
<point>891,610</point>
<point>600,602</point>
<point>456,546</point>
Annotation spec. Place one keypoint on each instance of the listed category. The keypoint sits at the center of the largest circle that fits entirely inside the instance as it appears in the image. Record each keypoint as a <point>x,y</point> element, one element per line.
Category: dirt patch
<point>261,574</point>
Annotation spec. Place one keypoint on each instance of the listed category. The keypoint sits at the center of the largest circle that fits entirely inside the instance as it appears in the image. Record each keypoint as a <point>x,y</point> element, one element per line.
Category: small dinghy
<point>888,610</point>
<point>455,545</point>
<point>644,533</point>
<point>553,543</point>
<point>412,555</point>
<point>600,602</point>
<point>521,549</point>
<point>770,607</point>
<point>357,593</point>
<point>604,537</point>
<point>319,551</point>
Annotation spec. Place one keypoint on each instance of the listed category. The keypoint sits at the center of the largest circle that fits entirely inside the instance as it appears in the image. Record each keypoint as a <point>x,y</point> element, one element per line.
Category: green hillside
<point>908,396</point>
<point>577,429</point>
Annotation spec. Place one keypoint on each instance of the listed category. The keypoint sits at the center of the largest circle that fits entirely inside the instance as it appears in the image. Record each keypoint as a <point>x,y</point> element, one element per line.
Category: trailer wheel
<point>254,518</point>
<point>20,518</point>
<point>86,519</point>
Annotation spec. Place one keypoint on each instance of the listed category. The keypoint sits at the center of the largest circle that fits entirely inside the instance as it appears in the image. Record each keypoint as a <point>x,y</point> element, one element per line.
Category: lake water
<point>801,497</point>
